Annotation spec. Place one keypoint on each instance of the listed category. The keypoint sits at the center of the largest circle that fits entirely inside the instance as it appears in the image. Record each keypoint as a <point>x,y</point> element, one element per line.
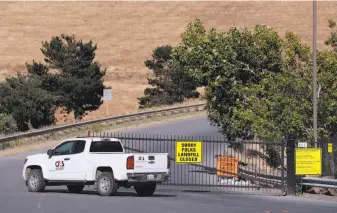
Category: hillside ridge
<point>127,32</point>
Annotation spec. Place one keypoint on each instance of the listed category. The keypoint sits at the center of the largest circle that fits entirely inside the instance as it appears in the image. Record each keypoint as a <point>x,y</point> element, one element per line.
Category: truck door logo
<point>151,162</point>
<point>59,165</point>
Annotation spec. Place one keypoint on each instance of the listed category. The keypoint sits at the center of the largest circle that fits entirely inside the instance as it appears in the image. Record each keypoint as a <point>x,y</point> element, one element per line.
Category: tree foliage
<point>169,85</point>
<point>281,106</point>
<point>23,98</point>
<point>70,79</point>
<point>78,80</point>
<point>226,63</point>
<point>7,124</point>
<point>259,84</point>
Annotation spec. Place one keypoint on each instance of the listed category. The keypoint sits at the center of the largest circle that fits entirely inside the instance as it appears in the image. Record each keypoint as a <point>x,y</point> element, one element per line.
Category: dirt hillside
<point>127,32</point>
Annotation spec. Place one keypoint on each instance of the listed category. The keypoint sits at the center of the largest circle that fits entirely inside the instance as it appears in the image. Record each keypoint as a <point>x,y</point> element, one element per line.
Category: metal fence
<point>240,166</point>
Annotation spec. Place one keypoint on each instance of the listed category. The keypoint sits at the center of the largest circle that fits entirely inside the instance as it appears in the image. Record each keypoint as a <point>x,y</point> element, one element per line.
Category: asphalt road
<point>14,196</point>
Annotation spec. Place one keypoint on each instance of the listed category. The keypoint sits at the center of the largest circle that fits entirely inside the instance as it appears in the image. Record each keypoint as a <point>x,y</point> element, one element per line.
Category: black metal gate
<point>240,166</point>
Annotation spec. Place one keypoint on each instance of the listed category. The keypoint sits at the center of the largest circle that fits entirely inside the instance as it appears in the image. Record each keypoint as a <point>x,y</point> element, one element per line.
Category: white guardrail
<point>319,182</point>
<point>55,129</point>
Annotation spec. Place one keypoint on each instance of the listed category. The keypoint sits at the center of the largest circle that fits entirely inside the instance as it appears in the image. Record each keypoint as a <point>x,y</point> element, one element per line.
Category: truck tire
<point>106,184</point>
<point>35,181</point>
<point>76,188</point>
<point>145,189</point>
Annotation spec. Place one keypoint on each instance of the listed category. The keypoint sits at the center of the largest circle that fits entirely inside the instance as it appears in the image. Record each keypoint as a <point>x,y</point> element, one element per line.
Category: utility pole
<point>314,79</point>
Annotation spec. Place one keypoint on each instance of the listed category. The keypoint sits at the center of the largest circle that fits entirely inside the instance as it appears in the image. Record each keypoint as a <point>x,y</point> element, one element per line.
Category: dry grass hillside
<point>127,32</point>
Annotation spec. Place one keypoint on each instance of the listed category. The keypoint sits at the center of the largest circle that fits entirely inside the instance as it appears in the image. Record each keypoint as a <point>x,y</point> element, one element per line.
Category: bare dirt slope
<point>127,32</point>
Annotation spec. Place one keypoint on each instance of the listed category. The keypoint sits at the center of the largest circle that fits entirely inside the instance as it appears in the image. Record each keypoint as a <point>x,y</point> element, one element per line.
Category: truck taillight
<point>168,162</point>
<point>130,162</point>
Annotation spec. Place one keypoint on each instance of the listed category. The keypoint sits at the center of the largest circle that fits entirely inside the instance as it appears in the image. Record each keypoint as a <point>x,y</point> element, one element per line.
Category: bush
<point>23,98</point>
<point>7,124</point>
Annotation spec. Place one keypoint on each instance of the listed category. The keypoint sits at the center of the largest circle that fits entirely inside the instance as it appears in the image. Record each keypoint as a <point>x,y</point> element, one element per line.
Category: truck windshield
<point>106,146</point>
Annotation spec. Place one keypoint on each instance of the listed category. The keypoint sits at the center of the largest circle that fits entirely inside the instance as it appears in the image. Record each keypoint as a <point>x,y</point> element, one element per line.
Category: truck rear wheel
<point>76,188</point>
<point>35,181</point>
<point>145,189</point>
<point>106,185</point>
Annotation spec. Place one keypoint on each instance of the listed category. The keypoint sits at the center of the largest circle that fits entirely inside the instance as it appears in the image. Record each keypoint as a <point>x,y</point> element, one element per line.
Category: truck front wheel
<point>35,181</point>
<point>145,189</point>
<point>106,185</point>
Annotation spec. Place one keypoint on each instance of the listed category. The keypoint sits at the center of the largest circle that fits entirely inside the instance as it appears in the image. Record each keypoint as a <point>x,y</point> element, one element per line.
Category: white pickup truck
<point>97,161</point>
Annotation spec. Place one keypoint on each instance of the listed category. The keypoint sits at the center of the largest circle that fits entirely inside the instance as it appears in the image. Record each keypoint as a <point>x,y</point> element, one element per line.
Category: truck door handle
<point>66,158</point>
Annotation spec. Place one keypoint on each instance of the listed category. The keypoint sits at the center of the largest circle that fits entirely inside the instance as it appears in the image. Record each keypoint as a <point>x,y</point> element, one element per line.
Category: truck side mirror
<point>50,152</point>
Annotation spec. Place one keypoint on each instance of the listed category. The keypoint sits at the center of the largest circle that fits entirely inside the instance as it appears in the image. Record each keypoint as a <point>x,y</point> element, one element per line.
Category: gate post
<point>291,179</point>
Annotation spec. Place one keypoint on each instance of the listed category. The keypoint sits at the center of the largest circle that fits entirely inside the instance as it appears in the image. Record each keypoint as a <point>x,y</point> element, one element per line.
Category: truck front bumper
<point>147,177</point>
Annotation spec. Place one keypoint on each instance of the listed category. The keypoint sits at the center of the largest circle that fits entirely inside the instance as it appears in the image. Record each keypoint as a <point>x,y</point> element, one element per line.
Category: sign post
<point>107,96</point>
<point>188,152</point>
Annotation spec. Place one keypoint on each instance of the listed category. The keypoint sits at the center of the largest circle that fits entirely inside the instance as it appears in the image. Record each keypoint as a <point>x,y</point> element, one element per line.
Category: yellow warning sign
<point>308,161</point>
<point>329,147</point>
<point>188,152</point>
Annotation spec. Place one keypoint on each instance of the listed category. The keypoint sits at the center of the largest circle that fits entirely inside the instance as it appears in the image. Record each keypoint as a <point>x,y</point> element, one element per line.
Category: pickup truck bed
<point>81,161</point>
